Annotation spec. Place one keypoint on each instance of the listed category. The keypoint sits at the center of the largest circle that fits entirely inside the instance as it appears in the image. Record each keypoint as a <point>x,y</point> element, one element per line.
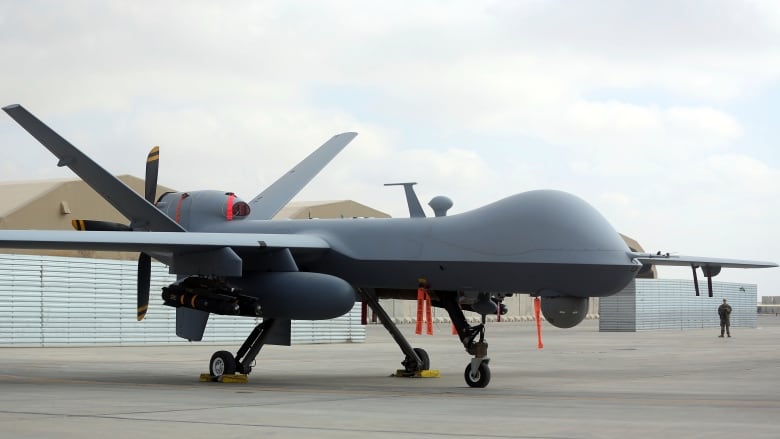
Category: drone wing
<point>269,202</point>
<point>709,266</point>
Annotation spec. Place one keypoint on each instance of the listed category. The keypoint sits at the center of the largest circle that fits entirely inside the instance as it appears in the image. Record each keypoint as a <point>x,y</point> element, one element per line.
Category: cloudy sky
<point>663,114</point>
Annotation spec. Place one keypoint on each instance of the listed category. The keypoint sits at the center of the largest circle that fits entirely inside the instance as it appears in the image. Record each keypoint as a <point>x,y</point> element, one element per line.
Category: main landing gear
<point>477,373</point>
<point>416,360</point>
<point>223,363</point>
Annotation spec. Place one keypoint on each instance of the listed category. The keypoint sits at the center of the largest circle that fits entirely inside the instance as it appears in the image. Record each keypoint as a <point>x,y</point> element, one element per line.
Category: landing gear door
<point>280,333</point>
<point>190,323</point>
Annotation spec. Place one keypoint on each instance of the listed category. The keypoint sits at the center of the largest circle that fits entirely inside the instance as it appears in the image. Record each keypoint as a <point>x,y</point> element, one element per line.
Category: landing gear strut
<point>477,373</point>
<point>223,362</point>
<point>416,358</point>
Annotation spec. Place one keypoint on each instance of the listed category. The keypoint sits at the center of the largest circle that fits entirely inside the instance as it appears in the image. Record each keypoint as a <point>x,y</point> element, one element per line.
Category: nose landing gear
<point>477,373</point>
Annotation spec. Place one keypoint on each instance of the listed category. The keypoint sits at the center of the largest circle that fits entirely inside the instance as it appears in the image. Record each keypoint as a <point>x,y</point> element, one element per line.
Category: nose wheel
<point>478,376</point>
<point>477,373</point>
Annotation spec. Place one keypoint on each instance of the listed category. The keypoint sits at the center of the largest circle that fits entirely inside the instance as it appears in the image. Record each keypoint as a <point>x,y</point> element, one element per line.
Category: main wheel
<point>222,363</point>
<point>411,366</point>
<point>426,361</point>
<point>482,377</point>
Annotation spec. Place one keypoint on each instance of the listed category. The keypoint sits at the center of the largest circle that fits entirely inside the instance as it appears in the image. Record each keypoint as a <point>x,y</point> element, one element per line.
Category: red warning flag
<point>420,303</point>
<point>537,311</point>
<point>428,314</point>
<point>424,301</point>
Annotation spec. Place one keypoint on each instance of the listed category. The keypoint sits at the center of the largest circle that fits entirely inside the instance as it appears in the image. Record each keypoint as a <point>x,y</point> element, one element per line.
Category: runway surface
<point>583,384</point>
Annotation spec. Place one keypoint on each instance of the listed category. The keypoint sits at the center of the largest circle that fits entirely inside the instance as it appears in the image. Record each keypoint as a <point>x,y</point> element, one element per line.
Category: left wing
<point>185,253</point>
<point>159,242</point>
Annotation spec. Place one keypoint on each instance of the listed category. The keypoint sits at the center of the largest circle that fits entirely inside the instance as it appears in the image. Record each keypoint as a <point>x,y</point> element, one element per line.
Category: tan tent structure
<point>53,204</point>
<point>328,209</point>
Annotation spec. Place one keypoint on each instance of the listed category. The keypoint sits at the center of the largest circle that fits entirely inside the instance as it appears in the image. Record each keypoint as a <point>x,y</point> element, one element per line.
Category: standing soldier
<point>724,311</point>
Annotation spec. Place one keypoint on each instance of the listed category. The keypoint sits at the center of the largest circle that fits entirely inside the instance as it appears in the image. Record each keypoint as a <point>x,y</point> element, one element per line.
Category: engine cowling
<point>206,206</point>
<point>564,311</point>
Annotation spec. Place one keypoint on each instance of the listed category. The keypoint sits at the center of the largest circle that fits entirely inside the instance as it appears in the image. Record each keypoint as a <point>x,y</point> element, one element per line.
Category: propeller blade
<point>152,166</point>
<point>99,226</point>
<point>144,260</point>
<point>144,280</point>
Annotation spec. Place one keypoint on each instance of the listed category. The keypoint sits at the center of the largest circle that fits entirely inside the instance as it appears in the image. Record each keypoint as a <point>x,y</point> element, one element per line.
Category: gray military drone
<point>230,258</point>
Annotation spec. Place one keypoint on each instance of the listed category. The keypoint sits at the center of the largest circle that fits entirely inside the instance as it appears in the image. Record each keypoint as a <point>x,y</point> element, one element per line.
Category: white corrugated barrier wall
<point>648,304</point>
<point>51,301</point>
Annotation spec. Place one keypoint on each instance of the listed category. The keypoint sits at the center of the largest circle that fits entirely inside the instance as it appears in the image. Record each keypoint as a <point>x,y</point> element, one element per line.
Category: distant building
<point>769,305</point>
<point>650,304</point>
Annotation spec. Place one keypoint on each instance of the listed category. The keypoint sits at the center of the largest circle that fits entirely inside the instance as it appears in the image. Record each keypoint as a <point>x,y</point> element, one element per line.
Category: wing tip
<point>11,107</point>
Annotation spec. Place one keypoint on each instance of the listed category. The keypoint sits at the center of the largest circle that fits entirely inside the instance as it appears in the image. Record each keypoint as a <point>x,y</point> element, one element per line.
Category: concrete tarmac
<point>583,384</point>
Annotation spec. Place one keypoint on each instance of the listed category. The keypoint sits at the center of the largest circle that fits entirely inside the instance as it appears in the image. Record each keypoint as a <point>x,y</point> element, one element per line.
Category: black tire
<point>483,376</point>
<point>424,358</point>
<point>222,363</point>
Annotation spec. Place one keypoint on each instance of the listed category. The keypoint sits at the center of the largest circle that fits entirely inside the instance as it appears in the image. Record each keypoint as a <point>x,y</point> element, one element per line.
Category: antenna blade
<point>415,208</point>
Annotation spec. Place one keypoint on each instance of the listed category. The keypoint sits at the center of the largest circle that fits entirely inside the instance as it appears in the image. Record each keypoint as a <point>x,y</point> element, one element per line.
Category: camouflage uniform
<point>724,311</point>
